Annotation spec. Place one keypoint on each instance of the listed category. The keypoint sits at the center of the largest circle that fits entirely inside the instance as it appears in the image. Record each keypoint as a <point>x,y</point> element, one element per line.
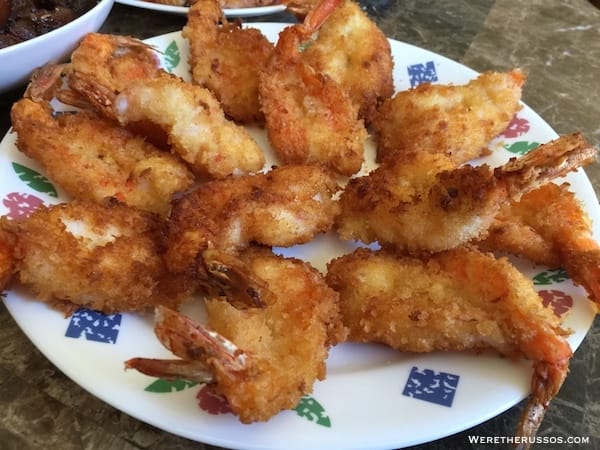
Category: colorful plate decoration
<point>373,397</point>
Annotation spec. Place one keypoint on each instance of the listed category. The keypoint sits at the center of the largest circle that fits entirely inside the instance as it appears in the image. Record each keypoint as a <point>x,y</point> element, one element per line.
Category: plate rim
<point>183,10</point>
<point>227,442</point>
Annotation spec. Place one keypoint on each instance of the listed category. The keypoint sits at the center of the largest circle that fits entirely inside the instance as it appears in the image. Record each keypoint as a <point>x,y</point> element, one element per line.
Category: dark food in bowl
<point>21,20</point>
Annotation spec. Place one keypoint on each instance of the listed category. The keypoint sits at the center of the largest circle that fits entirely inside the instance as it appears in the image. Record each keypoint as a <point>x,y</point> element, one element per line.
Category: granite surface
<point>557,43</point>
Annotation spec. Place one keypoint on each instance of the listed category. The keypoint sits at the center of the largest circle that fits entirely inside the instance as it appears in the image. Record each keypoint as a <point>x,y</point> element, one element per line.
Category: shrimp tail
<point>291,37</point>
<point>45,82</point>
<point>551,160</point>
<point>171,369</point>
<point>193,342</point>
<point>546,382</point>
<point>318,15</point>
<point>229,276</point>
<point>584,269</point>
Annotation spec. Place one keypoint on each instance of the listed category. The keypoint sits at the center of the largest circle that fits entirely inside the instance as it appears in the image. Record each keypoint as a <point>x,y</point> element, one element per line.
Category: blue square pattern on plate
<point>94,326</point>
<point>422,73</point>
<point>431,386</point>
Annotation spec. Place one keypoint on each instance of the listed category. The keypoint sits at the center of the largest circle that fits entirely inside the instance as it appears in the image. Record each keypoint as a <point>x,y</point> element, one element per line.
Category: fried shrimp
<point>226,59</point>
<point>106,257</point>
<point>262,360</point>
<point>194,122</point>
<point>458,121</point>
<point>7,259</point>
<point>424,203</point>
<point>120,164</point>
<point>102,65</point>
<point>309,117</point>
<point>459,300</point>
<point>549,226</point>
<point>286,206</point>
<point>352,50</point>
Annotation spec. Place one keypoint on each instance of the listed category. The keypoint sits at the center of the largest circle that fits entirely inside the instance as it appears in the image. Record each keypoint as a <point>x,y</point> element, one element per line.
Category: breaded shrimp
<point>352,50</point>
<point>106,257</point>
<point>286,206</point>
<point>93,158</point>
<point>7,259</point>
<point>458,121</point>
<point>262,360</point>
<point>226,59</point>
<point>194,123</point>
<point>549,226</point>
<point>459,300</point>
<point>423,203</point>
<point>309,117</point>
<point>102,65</point>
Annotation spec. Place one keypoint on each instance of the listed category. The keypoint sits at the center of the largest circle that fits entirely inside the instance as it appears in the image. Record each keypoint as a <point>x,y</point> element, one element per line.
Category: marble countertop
<point>557,43</point>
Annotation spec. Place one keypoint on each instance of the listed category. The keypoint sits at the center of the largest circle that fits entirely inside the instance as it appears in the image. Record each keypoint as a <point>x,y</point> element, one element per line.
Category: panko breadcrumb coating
<point>425,203</point>
<point>460,300</point>
<point>119,164</point>
<point>352,50</point>
<point>226,59</point>
<point>309,117</point>
<point>550,227</point>
<point>106,257</point>
<point>286,206</point>
<point>456,120</point>
<point>7,260</point>
<point>102,65</point>
<point>195,125</point>
<point>273,354</point>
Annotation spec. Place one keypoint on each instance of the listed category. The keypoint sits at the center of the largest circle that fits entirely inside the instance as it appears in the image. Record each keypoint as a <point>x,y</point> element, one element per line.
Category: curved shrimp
<point>459,300</point>
<point>286,206</point>
<point>549,226</point>
<point>309,117</point>
<point>458,121</point>
<point>120,164</point>
<point>226,59</point>
<point>194,123</point>
<point>424,203</point>
<point>107,257</point>
<point>262,360</point>
<point>352,49</point>
<point>102,65</point>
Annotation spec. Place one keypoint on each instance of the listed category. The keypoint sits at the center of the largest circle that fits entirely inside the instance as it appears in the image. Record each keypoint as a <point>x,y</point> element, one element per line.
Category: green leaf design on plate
<point>172,56</point>
<point>312,410</point>
<point>162,386</point>
<point>34,180</point>
<point>521,147</point>
<point>551,276</point>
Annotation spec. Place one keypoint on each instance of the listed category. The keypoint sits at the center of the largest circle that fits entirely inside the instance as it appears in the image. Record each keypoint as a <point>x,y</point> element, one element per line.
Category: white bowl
<point>19,60</point>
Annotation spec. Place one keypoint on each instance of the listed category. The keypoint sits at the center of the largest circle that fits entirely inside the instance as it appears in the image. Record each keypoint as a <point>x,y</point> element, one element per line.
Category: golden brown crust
<point>102,256</point>
<point>102,65</point>
<point>286,206</point>
<point>352,50</point>
<point>226,59</point>
<point>195,124</point>
<point>456,300</point>
<point>310,119</point>
<point>422,202</point>
<point>93,158</point>
<point>287,342</point>
<point>458,121</point>
<point>7,260</point>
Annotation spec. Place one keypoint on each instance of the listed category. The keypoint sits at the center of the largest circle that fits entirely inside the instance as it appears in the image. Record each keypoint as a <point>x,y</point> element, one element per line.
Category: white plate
<point>370,398</point>
<point>183,10</point>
